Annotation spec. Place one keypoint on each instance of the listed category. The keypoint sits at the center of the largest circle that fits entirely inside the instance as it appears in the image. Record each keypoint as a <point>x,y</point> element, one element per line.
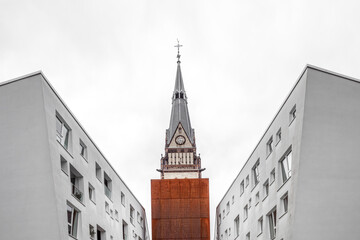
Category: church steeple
<point>180,160</point>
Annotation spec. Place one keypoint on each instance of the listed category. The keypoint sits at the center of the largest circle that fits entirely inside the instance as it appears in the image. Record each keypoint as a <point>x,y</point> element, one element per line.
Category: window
<point>64,165</point>
<point>219,219</point>
<point>229,231</point>
<point>232,199</point>
<point>77,185</point>
<point>266,189</point>
<point>138,217</point>
<point>249,203</point>
<point>123,199</point>
<point>116,215</point>
<point>241,187</point>
<point>248,236</point>
<point>91,193</point>
<point>257,198</point>
<point>107,207</point>
<point>111,213</point>
<point>111,237</point>
<point>227,208</point>
<point>292,114</point>
<point>269,146</point>
<point>272,223</point>
<point>284,203</point>
<point>286,166</point>
<point>83,150</point>
<point>247,181</point>
<point>62,132</point>
<point>91,231</point>
<point>72,218</point>
<point>272,176</point>
<point>107,185</point>
<point>98,171</point>
<point>237,226</point>
<point>260,226</point>
<point>226,234</point>
<point>124,230</point>
<point>142,222</point>
<point>246,211</point>
<point>223,213</point>
<point>132,215</point>
<point>255,172</point>
<point>278,136</point>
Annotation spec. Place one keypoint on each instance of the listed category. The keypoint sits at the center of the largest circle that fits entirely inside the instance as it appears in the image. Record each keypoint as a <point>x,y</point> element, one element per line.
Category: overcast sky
<point>114,63</point>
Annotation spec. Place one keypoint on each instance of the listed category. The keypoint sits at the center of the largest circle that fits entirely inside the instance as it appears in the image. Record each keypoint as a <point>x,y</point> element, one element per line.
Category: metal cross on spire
<point>178,47</point>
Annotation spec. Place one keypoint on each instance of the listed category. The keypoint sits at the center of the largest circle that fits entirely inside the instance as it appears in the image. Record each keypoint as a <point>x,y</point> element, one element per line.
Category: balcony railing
<point>107,191</point>
<point>76,193</point>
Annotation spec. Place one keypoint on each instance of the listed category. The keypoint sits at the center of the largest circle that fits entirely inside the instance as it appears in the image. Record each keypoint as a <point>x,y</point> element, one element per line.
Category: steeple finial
<point>178,47</point>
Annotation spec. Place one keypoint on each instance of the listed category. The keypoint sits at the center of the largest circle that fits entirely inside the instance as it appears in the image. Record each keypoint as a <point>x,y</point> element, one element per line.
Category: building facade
<point>301,181</point>
<point>55,183</point>
<point>180,198</point>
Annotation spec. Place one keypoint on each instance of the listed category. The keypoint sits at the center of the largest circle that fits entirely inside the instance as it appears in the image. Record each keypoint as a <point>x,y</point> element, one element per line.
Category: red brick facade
<point>180,209</point>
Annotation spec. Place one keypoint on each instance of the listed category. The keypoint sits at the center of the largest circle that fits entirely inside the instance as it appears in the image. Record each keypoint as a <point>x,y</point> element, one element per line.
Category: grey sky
<point>114,64</point>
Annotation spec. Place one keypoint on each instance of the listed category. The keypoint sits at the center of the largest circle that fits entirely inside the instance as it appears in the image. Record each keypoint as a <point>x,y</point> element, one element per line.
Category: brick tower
<point>180,199</point>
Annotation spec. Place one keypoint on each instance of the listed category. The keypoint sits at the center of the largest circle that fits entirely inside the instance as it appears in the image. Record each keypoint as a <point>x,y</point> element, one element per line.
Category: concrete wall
<point>327,193</point>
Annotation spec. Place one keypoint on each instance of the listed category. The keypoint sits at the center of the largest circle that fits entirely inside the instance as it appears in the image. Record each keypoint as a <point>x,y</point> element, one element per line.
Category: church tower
<point>180,160</point>
<point>180,198</point>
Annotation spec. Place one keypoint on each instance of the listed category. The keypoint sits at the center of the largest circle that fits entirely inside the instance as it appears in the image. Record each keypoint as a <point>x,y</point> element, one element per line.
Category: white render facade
<point>302,179</point>
<point>55,183</point>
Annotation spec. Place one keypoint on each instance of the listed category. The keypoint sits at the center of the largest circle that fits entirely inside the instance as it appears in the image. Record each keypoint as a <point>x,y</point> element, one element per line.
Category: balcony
<point>107,192</point>
<point>76,193</point>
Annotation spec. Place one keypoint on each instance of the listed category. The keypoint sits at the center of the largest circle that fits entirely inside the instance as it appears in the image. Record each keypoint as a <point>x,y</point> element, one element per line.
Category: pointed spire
<point>179,111</point>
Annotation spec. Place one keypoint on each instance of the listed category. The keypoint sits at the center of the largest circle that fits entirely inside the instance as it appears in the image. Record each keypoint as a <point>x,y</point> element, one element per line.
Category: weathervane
<point>178,47</point>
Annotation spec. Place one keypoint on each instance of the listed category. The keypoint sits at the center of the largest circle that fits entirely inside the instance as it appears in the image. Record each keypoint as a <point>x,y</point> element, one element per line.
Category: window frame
<point>73,225</point>
<point>64,130</point>
<point>286,169</point>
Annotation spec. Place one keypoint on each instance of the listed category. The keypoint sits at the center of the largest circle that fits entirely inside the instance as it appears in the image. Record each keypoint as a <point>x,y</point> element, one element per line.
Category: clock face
<point>180,140</point>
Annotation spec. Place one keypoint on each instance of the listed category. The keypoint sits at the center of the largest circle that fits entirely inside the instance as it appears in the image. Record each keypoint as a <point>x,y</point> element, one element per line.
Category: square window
<point>247,181</point>
<point>123,199</point>
<point>83,150</point>
<point>272,223</point>
<point>292,114</point>
<point>72,219</point>
<point>269,146</point>
<point>285,164</point>
<point>64,165</point>
<point>255,172</point>
<point>241,187</point>
<point>266,188</point>
<point>272,176</point>
<point>278,136</point>
<point>91,193</point>
<point>62,132</point>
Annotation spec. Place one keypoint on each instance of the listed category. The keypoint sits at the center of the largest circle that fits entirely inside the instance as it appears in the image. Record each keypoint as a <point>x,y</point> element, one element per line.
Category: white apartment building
<point>55,184</point>
<point>302,179</point>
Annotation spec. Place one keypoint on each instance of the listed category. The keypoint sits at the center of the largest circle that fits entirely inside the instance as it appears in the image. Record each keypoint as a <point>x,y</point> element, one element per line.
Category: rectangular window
<point>77,184</point>
<point>260,226</point>
<point>249,203</point>
<point>292,114</point>
<point>123,199</point>
<point>107,185</point>
<point>284,203</point>
<point>266,188</point>
<point>227,208</point>
<point>246,211</point>
<point>98,171</point>
<point>116,215</point>
<point>132,215</point>
<point>272,223</point>
<point>226,234</point>
<point>219,219</point>
<point>269,146</point>
<point>223,213</point>
<point>138,217</point>
<point>107,207</point>
<point>64,165</point>
<point>272,176</point>
<point>91,193</point>
<point>237,226</point>
<point>72,218</point>
<point>255,172</point>
<point>278,136</point>
<point>91,232</point>
<point>248,236</point>
<point>62,132</point>
<point>125,230</point>
<point>257,198</point>
<point>285,164</point>
<point>83,150</point>
<point>247,181</point>
<point>241,187</point>
<point>111,213</point>
<point>232,199</point>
